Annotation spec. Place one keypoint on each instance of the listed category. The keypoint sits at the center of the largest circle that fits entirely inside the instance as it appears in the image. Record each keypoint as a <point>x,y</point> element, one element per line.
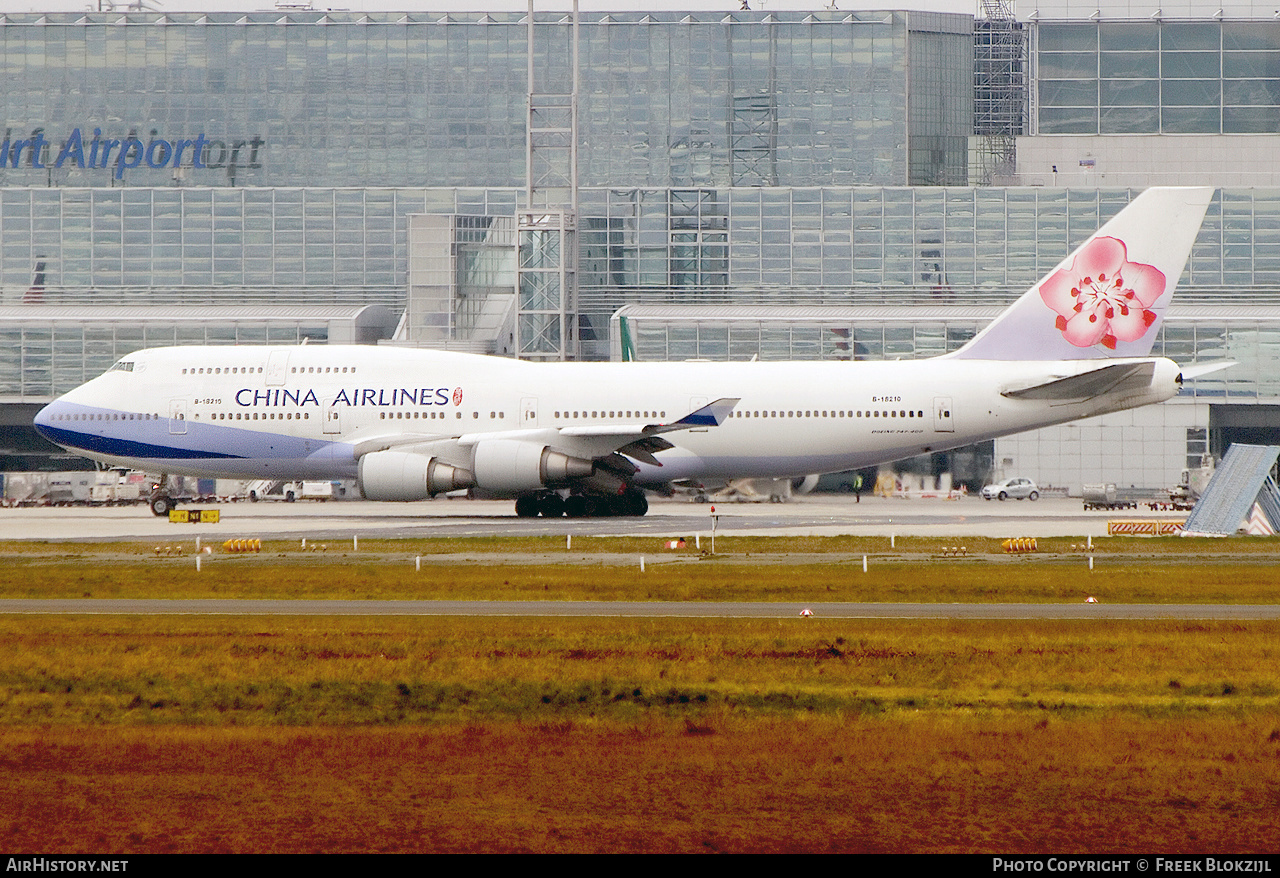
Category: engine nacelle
<point>805,485</point>
<point>402,475</point>
<point>511,466</point>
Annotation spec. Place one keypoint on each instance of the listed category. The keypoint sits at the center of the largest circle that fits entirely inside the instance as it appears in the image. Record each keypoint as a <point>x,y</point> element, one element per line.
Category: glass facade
<point>41,361</point>
<point>210,246</point>
<point>811,336</point>
<point>231,239</point>
<point>1245,336</point>
<point>835,245</point>
<point>737,245</point>
<point>1158,77</point>
<point>392,99</point>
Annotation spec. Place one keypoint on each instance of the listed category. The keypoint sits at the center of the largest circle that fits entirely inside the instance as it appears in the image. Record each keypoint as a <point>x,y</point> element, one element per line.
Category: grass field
<point>136,734</point>
<point>1131,570</point>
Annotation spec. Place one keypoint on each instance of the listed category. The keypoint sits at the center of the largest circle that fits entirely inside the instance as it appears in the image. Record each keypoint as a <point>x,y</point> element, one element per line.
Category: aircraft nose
<point>43,421</point>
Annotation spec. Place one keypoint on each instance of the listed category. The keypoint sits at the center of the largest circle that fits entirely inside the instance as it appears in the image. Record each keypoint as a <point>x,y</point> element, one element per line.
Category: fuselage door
<point>177,416</point>
<point>277,368</point>
<point>942,415</point>
<point>332,419</point>
<point>529,412</point>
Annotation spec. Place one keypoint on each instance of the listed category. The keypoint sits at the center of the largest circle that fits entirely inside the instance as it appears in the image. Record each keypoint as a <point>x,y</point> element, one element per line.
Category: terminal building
<point>827,184</point>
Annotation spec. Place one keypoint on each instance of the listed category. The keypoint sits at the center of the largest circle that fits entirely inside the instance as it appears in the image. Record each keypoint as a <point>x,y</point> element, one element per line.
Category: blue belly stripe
<point>113,447</point>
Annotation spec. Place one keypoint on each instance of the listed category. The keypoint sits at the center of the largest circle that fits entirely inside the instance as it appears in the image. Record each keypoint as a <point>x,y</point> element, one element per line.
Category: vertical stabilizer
<point>1108,298</point>
<point>628,346</point>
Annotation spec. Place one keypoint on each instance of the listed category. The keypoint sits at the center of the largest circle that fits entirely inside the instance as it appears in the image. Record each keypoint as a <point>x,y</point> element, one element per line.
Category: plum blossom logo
<point>1102,297</point>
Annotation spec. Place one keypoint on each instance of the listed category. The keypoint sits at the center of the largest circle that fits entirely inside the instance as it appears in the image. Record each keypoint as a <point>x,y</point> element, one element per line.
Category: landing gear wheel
<point>586,506</point>
<point>527,506</point>
<point>551,505</point>
<point>162,505</point>
<point>632,503</point>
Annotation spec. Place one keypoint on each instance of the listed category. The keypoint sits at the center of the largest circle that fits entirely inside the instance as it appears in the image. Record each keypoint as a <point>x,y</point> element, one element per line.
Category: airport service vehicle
<point>1015,488</point>
<point>588,438</point>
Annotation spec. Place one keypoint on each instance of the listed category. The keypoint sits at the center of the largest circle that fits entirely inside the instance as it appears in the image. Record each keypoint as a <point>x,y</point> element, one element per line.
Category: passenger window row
<point>415,415</point>
<point>611,414</point>
<point>259,416</point>
<point>903,413</point>
<point>115,416</point>
<point>257,370</point>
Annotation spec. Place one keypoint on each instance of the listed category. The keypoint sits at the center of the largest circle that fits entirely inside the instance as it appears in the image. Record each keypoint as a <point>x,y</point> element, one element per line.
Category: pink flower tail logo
<point>1102,297</point>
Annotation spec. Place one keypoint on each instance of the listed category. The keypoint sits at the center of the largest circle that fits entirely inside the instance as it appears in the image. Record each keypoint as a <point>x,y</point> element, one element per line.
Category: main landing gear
<point>549,504</point>
<point>160,502</point>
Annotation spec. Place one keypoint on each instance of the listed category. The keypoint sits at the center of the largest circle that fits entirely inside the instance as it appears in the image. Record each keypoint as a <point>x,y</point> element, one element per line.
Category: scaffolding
<point>546,325</point>
<point>999,92</point>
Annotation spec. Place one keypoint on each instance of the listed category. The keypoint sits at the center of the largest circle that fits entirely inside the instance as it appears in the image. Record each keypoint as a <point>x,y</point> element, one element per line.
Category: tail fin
<point>628,346</point>
<point>35,293</point>
<point>1106,299</point>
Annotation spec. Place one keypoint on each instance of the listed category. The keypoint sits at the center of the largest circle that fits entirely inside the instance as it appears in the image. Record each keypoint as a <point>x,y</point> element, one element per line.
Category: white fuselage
<point>311,411</point>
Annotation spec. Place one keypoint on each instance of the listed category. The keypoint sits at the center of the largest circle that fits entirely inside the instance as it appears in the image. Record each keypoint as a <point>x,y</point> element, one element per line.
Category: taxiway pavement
<point>645,609</point>
<point>812,515</point>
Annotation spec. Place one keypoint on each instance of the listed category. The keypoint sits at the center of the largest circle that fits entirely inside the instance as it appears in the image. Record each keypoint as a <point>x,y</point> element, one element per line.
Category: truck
<point>1106,496</point>
<point>1181,497</point>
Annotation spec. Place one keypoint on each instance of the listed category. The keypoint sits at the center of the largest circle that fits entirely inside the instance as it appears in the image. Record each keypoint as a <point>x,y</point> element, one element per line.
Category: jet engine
<point>512,466</point>
<point>805,485</point>
<point>401,475</point>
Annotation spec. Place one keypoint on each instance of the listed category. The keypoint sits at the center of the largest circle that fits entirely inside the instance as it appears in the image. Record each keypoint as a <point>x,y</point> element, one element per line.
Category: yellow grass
<point>369,671</point>
<point>908,783</point>
<point>678,576</point>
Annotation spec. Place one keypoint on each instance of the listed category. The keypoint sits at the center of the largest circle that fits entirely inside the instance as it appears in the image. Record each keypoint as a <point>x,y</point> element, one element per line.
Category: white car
<point>1018,489</point>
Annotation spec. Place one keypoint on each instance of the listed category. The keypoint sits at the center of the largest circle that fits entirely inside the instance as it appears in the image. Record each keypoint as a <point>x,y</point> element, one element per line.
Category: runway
<point>812,515</point>
<point>642,609</point>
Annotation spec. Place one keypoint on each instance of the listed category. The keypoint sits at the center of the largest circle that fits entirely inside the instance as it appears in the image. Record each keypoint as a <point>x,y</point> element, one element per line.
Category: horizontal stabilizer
<point>1199,370</point>
<point>1096,382</point>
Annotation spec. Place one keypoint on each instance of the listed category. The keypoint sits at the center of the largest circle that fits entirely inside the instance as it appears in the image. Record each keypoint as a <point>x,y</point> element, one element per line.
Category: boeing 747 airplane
<point>586,438</point>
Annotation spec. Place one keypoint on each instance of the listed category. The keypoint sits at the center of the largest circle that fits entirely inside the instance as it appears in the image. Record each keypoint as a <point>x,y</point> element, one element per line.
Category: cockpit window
<point>122,366</point>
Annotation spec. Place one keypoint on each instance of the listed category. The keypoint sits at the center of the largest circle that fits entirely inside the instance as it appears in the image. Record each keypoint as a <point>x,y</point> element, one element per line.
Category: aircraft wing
<point>642,441</point>
<point>388,441</point>
<point>638,440</point>
<point>710,415</point>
